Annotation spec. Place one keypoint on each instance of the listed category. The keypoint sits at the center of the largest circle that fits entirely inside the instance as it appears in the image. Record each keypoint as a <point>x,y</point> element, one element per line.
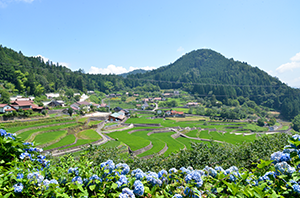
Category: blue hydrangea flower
<point>196,176</point>
<point>124,167</point>
<point>35,176</point>
<point>20,176</point>
<point>77,179</point>
<point>177,196</point>
<point>28,143</point>
<point>73,171</point>
<point>284,168</point>
<point>2,132</point>
<point>296,188</point>
<point>126,193</point>
<point>162,173</point>
<point>53,181</point>
<point>122,181</point>
<point>296,137</point>
<point>138,174</point>
<point>109,164</point>
<point>219,169</point>
<point>95,177</point>
<point>24,155</point>
<point>18,187</point>
<point>251,180</point>
<point>212,172</point>
<point>138,188</point>
<point>173,170</point>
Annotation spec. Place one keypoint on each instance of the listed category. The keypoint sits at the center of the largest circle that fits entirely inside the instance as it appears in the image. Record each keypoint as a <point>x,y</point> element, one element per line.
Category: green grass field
<point>91,123</point>
<point>25,135</point>
<point>89,134</point>
<point>188,142</point>
<point>69,139</point>
<point>15,129</point>
<point>79,143</point>
<point>173,144</point>
<point>133,141</point>
<point>193,133</point>
<point>48,137</point>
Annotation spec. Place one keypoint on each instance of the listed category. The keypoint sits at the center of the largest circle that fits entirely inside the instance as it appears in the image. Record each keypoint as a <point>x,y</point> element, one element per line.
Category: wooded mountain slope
<point>207,72</point>
<point>203,72</point>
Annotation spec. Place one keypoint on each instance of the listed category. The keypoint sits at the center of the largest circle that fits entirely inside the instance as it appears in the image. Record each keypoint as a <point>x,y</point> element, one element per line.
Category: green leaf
<point>7,195</point>
<point>114,186</point>
<point>219,190</point>
<point>92,187</point>
<point>264,163</point>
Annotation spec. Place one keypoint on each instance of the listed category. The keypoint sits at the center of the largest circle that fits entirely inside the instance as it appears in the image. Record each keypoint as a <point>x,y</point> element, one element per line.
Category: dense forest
<point>202,72</point>
<point>205,72</point>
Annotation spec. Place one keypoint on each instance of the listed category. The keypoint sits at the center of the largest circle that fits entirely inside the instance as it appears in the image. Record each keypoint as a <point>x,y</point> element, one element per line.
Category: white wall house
<point>4,108</point>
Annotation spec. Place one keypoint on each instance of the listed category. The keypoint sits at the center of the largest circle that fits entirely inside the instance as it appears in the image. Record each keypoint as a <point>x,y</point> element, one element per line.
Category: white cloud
<point>290,66</point>
<point>112,69</point>
<point>47,59</point>
<point>26,1</point>
<point>180,49</point>
<point>4,3</point>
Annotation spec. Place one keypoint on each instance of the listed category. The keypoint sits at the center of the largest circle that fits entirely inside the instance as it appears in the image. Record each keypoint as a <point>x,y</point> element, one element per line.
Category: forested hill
<point>22,74</point>
<point>206,72</point>
<point>202,72</point>
<point>136,71</point>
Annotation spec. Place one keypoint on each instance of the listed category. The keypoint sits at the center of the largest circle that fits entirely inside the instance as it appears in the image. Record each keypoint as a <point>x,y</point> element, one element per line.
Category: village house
<point>56,103</point>
<point>79,105</point>
<point>192,104</point>
<point>6,108</point>
<point>167,94</point>
<point>172,113</point>
<point>25,105</point>
<point>157,99</point>
<point>52,95</point>
<point>116,116</point>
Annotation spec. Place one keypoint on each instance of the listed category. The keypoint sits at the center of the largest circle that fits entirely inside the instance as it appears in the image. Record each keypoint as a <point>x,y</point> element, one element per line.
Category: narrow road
<point>156,107</point>
<point>98,130</point>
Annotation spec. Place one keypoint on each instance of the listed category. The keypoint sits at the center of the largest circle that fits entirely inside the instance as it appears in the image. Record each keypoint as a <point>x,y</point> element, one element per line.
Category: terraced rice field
<point>26,135</point>
<point>134,142</point>
<point>44,138</point>
<point>18,128</point>
<point>69,139</point>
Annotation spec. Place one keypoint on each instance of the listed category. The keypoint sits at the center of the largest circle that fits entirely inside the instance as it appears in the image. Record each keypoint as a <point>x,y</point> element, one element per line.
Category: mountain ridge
<point>202,72</point>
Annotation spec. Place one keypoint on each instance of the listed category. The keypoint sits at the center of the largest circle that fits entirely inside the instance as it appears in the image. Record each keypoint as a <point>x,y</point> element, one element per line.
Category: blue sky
<point>119,36</point>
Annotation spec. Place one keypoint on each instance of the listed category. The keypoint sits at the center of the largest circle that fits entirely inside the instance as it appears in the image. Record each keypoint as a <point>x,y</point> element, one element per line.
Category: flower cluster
<point>7,135</point>
<point>118,180</point>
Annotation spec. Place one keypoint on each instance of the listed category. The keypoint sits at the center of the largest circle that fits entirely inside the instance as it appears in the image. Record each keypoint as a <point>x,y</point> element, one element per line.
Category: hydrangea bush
<point>24,172</point>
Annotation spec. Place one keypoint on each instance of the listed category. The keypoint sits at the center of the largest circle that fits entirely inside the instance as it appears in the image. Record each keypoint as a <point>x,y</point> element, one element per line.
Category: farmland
<point>152,135</point>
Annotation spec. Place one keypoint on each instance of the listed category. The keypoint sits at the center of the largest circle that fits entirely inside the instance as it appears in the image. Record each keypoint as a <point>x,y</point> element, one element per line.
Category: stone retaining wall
<point>142,150</point>
<point>176,135</point>
<point>75,148</point>
<point>146,125</point>
<point>159,153</point>
<point>152,132</point>
<point>50,150</point>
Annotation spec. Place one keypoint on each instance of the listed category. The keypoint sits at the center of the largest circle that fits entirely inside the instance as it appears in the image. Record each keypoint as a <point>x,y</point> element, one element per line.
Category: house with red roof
<point>6,108</point>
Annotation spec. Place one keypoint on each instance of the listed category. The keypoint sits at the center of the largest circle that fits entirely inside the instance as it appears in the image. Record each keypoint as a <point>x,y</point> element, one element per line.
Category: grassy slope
<point>25,135</point>
<point>134,142</point>
<point>48,137</point>
<point>69,139</point>
<point>15,129</point>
